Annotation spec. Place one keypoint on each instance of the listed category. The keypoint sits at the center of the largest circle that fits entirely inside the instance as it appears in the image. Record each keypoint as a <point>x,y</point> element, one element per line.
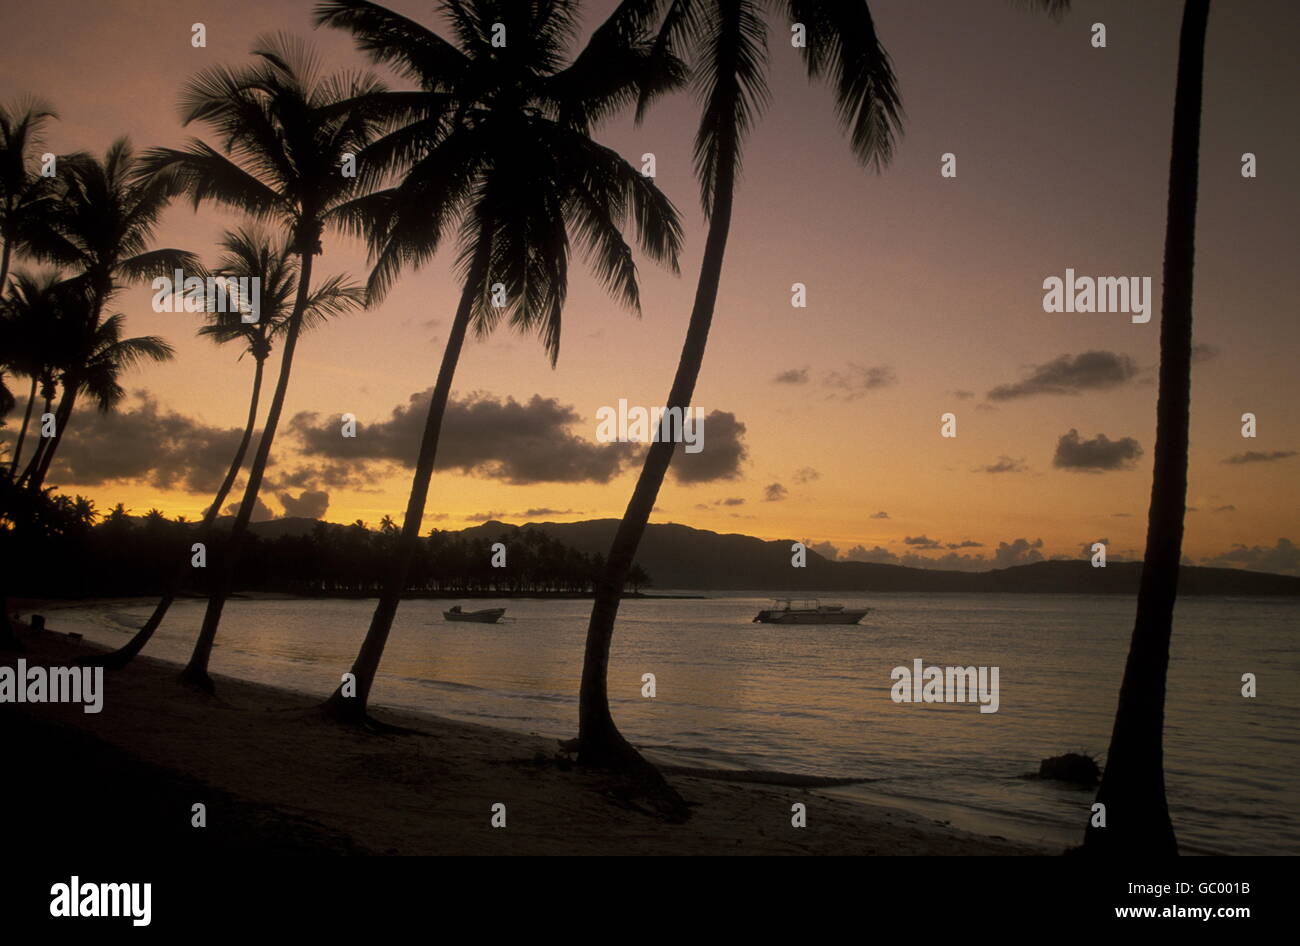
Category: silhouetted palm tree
<point>1133,784</point>
<point>30,342</point>
<point>725,42</point>
<point>286,140</point>
<point>26,197</point>
<point>101,229</point>
<point>251,254</point>
<point>498,150</point>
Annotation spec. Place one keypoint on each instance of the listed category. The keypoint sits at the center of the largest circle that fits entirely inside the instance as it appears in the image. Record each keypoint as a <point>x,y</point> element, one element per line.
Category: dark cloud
<point>311,504</point>
<point>723,453</point>
<point>148,443</point>
<point>774,493</point>
<point>1095,455</point>
<point>962,395</point>
<point>481,436</point>
<point>261,511</point>
<point>1201,353</point>
<point>806,475</point>
<point>856,381</point>
<point>1004,464</point>
<point>1090,371</point>
<point>1019,552</point>
<point>922,542</point>
<point>965,544</point>
<point>1227,508</point>
<point>1282,558</point>
<point>824,549</point>
<point>792,376</point>
<point>486,516</point>
<point>879,515</point>
<point>1257,456</point>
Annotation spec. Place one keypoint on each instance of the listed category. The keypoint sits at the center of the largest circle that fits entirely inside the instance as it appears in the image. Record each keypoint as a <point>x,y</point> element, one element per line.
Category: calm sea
<point>816,700</point>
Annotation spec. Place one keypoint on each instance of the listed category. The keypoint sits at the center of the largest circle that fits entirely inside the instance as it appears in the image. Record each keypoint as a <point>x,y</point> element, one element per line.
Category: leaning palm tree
<point>498,151</point>
<point>101,229</point>
<point>26,197</point>
<point>249,253</point>
<point>1133,785</point>
<point>725,42</point>
<point>286,140</point>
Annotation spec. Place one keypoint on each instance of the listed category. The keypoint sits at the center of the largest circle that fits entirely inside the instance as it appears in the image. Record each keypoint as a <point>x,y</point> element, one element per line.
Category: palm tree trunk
<point>196,672</point>
<point>123,655</point>
<point>353,708</point>
<point>22,431</point>
<point>30,470</point>
<point>61,417</point>
<point>1133,786</point>
<point>600,742</point>
<point>4,265</point>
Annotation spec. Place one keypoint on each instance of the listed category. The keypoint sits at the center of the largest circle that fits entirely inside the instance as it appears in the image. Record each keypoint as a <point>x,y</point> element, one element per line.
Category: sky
<point>823,423</point>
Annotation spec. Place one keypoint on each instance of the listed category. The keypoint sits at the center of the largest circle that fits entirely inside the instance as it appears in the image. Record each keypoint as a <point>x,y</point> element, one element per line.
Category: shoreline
<point>427,793</point>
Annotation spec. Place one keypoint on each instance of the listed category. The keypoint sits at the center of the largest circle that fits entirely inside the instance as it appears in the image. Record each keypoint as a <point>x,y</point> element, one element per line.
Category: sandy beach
<point>277,778</point>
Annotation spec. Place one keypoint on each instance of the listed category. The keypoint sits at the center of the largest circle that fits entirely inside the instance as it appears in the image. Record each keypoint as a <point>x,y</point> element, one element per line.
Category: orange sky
<point>1062,156</point>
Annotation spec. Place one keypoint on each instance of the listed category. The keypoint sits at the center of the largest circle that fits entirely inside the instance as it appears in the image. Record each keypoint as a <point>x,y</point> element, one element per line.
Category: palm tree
<point>249,253</point>
<point>101,228</point>
<point>31,311</point>
<point>286,134</point>
<point>726,43</point>
<point>498,147</point>
<point>91,357</point>
<point>1133,784</point>
<point>26,198</point>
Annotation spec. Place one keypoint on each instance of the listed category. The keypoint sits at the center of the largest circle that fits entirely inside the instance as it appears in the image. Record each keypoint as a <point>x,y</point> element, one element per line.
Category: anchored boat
<point>808,611</point>
<point>486,616</point>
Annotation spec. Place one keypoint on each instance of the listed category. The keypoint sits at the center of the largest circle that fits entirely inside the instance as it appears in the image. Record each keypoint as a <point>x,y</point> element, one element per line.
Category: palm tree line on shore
<point>493,150</point>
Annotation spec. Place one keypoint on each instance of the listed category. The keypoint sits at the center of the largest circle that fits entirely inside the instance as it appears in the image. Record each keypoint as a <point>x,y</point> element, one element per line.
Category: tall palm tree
<point>725,42</point>
<point>285,135</point>
<point>101,228</point>
<point>498,149</point>
<point>26,197</point>
<point>250,253</point>
<point>1133,784</point>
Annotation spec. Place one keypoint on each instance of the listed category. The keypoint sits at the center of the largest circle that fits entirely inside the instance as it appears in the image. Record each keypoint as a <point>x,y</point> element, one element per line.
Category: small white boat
<point>808,611</point>
<point>486,616</point>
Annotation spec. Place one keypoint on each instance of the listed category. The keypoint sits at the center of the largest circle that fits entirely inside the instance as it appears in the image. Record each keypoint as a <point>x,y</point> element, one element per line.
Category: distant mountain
<point>678,556</point>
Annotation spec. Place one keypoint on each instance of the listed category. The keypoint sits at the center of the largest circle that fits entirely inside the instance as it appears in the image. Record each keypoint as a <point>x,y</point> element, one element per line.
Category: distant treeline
<point>77,556</point>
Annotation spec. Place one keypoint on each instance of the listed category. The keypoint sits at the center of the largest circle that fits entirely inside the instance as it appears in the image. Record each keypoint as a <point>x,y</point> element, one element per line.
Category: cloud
<point>1090,371</point>
<point>806,474</point>
<point>261,511</point>
<point>961,395</point>
<point>1227,508</point>
<point>792,376</point>
<point>1019,552</point>
<point>1095,455</point>
<point>1282,558</point>
<point>547,511</point>
<point>148,443</point>
<point>922,541</point>
<point>1202,353</point>
<point>519,443</point>
<point>311,504</point>
<point>1004,464</point>
<point>1256,456</point>
<point>486,516</point>
<point>723,453</point>
<point>774,493</point>
<point>965,544</point>
<point>879,515</point>
<point>856,381</point>
<point>824,549</point>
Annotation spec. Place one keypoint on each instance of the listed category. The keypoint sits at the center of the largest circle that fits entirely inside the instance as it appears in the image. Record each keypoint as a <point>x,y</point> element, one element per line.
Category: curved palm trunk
<point>600,742</point>
<point>364,668</point>
<point>22,431</point>
<point>196,672</point>
<point>30,470</point>
<point>123,655</point>
<point>1133,786</point>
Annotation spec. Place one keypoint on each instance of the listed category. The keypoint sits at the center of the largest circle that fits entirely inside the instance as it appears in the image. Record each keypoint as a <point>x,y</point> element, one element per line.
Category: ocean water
<point>816,699</point>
